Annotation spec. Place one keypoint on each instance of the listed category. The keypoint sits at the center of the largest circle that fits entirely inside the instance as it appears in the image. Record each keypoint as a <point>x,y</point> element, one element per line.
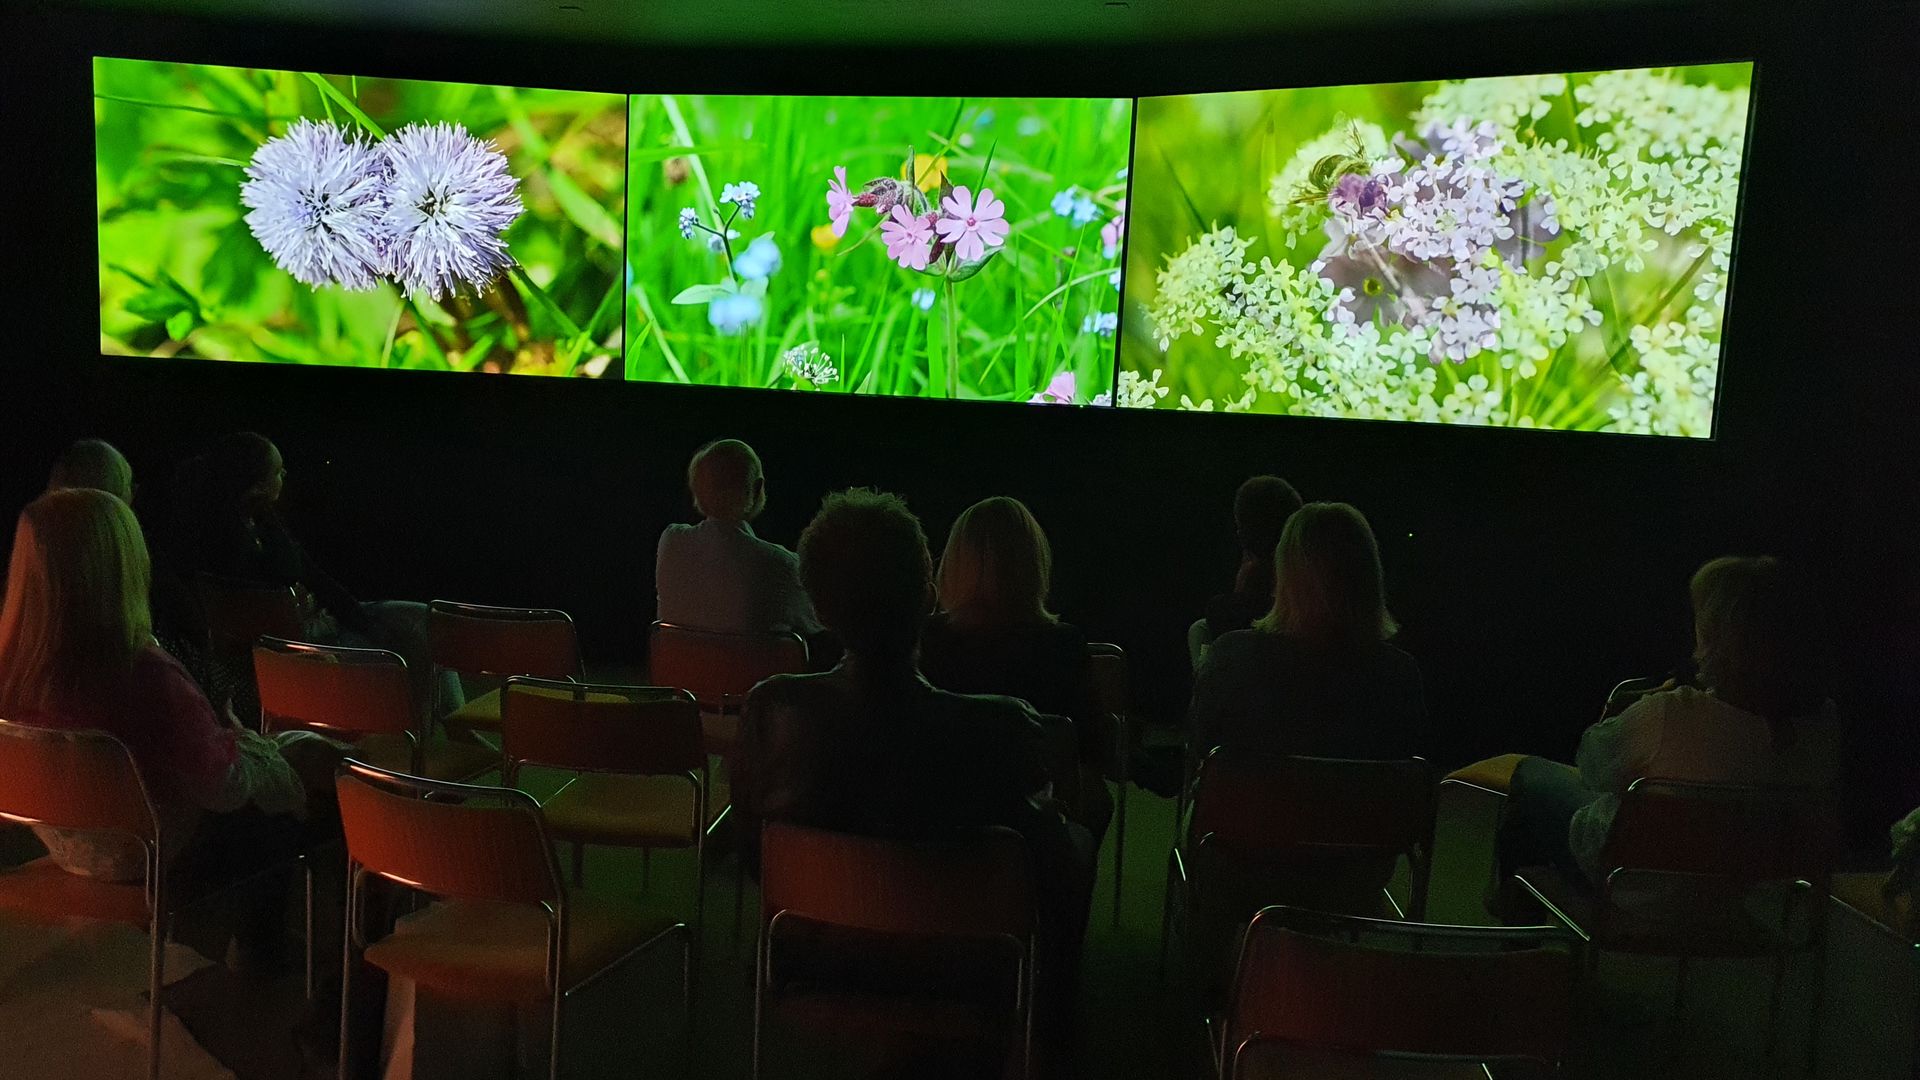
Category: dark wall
<point>1530,569</point>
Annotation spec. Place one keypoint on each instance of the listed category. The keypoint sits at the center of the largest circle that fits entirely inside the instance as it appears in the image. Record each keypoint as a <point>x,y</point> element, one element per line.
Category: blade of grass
<point>329,90</point>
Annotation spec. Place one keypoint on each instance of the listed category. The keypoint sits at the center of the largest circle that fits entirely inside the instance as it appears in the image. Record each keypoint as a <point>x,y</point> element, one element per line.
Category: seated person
<point>93,463</point>
<point>1315,676</point>
<point>76,652</point>
<point>993,634</point>
<point>1260,510</point>
<point>718,575</point>
<point>870,747</point>
<point>1758,715</point>
<point>227,522</point>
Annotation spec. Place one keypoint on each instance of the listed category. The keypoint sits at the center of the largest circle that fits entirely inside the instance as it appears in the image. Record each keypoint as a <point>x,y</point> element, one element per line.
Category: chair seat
<point>481,713</point>
<point>1493,774</point>
<point>1865,894</point>
<point>445,759</point>
<point>633,811</point>
<point>43,892</point>
<point>722,732</point>
<point>477,950</point>
<point>1658,921</point>
<point>868,1013</point>
<point>1278,1061</point>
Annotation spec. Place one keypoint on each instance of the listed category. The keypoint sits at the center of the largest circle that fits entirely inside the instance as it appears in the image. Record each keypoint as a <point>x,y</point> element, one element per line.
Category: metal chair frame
<point>497,614</point>
<point>1117,704</point>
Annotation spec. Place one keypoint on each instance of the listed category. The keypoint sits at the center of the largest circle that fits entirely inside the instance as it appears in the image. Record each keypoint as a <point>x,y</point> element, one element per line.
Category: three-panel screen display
<point>1545,251</point>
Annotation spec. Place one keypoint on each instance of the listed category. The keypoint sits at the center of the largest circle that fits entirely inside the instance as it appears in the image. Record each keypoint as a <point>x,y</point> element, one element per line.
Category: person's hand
<point>314,761</point>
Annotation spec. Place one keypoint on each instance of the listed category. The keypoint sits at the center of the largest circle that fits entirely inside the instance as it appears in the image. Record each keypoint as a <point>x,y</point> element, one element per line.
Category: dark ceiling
<point>869,22</point>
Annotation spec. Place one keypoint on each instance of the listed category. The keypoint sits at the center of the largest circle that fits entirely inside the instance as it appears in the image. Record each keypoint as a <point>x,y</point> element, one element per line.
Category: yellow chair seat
<point>631,811</point>
<point>1493,774</point>
<point>1865,893</point>
<point>445,759</point>
<point>43,892</point>
<point>478,950</point>
<point>480,713</point>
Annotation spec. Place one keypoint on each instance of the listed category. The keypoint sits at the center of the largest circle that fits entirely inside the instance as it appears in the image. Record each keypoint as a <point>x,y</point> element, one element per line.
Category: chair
<point>237,614</point>
<point>86,780</point>
<point>1321,833</point>
<point>1451,998</point>
<point>975,886</point>
<point>1107,676</point>
<point>719,670</point>
<point>489,644</point>
<point>1686,862</point>
<point>507,930</point>
<point>1896,918</point>
<point>642,774</point>
<point>361,696</point>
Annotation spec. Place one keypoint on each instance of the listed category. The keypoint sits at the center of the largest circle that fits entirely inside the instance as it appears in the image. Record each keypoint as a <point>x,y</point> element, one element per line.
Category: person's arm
<point>288,559</point>
<point>797,608</point>
<point>1618,750</point>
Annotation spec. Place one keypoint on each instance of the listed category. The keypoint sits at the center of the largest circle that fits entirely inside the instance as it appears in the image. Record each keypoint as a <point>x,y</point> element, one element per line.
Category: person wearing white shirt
<point>717,575</point>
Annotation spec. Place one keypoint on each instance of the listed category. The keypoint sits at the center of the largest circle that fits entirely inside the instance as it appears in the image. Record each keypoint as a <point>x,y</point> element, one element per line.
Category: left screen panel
<point>305,218</point>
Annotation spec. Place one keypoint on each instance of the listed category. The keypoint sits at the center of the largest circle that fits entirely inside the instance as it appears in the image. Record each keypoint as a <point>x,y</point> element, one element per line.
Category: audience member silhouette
<point>871,747</point>
<point>1757,715</point>
<point>93,463</point>
<point>994,634</point>
<point>1315,675</point>
<point>718,575</point>
<point>1261,508</point>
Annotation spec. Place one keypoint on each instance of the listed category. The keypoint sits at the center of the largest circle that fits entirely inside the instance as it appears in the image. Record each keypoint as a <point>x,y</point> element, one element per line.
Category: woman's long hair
<point>1328,586</point>
<point>1755,640</point>
<point>76,610</point>
<point>998,567</point>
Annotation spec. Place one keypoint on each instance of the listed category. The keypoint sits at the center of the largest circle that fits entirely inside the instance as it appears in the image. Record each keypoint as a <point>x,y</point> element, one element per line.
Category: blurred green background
<point>1208,160</point>
<point>1020,321</point>
<point>181,275</point>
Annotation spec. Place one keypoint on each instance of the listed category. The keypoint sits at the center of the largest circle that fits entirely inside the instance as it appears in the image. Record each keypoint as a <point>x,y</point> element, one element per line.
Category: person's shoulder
<point>797,689</point>
<point>997,709</point>
<point>1236,645</point>
<point>675,535</point>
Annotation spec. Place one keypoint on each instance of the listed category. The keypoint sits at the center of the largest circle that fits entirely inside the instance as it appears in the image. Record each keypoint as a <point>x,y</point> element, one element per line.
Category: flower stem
<point>953,343</point>
<point>1660,305</point>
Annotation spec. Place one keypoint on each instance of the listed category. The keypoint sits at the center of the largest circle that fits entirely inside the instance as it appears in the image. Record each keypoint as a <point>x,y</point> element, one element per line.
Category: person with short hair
<point>717,574</point>
<point>1261,508</point>
<point>93,463</point>
<point>1316,674</point>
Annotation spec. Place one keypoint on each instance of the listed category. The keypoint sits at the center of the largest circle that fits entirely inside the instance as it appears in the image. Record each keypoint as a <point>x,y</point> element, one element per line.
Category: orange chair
<point>1686,861</point>
<point>1314,832</point>
<point>507,930</point>
<point>1107,674</point>
<point>237,614</point>
<point>973,887</point>
<point>1307,1005</point>
<point>719,670</point>
<point>361,696</point>
<point>490,644</point>
<point>642,773</point>
<point>86,780</point>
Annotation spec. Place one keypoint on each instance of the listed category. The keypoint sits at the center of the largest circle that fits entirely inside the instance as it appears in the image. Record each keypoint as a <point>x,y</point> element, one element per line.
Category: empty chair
<point>973,888</point>
<point>361,696</point>
<point>1107,674</point>
<point>1688,862</point>
<point>506,930</point>
<point>1442,1000</point>
<point>238,613</point>
<point>642,774</point>
<point>490,644</point>
<point>719,670</point>
<point>1320,833</point>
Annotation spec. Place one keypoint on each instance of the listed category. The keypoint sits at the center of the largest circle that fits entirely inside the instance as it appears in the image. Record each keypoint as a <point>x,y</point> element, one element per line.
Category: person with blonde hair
<point>1756,714</point>
<point>1316,674</point>
<point>717,574</point>
<point>77,652</point>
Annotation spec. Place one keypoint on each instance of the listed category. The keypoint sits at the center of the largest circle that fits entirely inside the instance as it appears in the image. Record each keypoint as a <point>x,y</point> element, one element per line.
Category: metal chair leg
<point>311,948</point>
<point>156,979</point>
<point>1119,846</point>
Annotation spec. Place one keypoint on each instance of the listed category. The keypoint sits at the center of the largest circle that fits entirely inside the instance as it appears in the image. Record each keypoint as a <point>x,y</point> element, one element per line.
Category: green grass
<point>1014,326</point>
<point>181,275</point>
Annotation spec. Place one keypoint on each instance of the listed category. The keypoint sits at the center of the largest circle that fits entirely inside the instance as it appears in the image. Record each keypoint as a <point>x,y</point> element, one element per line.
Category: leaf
<point>180,324</point>
<point>584,211</point>
<point>545,303</point>
<point>965,270</point>
<point>703,294</point>
<point>346,103</point>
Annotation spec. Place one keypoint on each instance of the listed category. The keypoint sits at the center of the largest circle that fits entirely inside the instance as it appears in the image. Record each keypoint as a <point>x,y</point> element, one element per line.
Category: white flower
<point>743,195</point>
<point>809,364</point>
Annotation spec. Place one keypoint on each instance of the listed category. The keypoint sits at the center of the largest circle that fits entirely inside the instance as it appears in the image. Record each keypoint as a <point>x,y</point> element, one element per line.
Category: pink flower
<point>909,239</point>
<point>1110,235</point>
<point>972,226</point>
<point>1058,392</point>
<point>839,200</point>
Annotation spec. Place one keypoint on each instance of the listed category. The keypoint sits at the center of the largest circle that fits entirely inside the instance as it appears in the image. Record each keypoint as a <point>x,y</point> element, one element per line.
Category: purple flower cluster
<point>426,207</point>
<point>1419,241</point>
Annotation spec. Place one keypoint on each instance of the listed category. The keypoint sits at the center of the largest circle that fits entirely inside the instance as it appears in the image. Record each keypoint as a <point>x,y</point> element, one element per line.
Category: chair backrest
<point>977,884</point>
<point>1744,835</point>
<point>476,639</point>
<point>591,727</point>
<point>458,840</point>
<point>720,669</point>
<point>1479,993</point>
<point>1269,805</point>
<point>348,692</point>
<point>240,612</point>
<point>73,780</point>
<point>1107,678</point>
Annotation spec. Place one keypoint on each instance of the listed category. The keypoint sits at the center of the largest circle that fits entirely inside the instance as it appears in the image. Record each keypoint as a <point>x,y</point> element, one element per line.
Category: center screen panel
<point>923,247</point>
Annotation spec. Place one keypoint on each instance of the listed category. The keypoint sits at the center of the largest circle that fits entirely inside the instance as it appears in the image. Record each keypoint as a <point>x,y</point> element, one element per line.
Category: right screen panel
<point>1547,251</point>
